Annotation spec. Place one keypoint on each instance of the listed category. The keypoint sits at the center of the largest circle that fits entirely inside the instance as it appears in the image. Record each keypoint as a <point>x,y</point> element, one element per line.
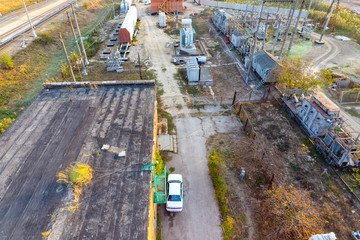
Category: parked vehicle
<point>175,198</point>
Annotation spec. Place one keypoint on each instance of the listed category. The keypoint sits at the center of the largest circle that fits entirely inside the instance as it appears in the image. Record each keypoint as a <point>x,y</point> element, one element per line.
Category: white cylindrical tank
<point>127,29</point>
<point>186,21</point>
<point>162,19</point>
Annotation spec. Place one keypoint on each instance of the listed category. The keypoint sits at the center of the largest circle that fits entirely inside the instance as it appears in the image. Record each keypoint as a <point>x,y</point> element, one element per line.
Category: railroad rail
<point>17,31</point>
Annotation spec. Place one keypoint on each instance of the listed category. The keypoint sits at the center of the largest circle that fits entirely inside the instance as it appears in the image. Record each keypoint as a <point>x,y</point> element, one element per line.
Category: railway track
<point>24,27</point>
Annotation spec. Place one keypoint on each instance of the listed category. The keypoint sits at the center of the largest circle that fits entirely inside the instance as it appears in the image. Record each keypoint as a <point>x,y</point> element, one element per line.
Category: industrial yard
<point>135,90</point>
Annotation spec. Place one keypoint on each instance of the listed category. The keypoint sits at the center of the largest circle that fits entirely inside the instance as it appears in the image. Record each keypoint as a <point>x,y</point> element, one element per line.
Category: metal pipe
<point>295,28</point>
<point>327,21</point>
<point>67,58</point>
<point>255,37</point>
<point>77,45</point>
<point>79,33</point>
<point>27,14</point>
<point>287,30</point>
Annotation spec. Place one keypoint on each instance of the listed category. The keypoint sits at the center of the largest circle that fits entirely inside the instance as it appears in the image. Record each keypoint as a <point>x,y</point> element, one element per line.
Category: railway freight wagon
<point>127,29</point>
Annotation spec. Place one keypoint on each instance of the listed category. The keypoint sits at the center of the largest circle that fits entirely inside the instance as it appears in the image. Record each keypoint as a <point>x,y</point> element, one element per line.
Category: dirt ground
<point>292,162</point>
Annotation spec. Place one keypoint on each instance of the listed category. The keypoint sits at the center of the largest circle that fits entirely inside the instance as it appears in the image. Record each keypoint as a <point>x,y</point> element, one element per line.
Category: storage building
<point>167,6</point>
<point>127,29</point>
<point>61,127</point>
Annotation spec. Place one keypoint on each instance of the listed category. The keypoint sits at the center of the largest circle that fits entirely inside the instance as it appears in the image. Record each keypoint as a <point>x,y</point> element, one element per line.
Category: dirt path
<point>331,50</point>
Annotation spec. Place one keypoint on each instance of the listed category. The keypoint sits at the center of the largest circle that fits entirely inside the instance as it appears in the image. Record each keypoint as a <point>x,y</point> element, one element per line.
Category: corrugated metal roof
<point>264,59</point>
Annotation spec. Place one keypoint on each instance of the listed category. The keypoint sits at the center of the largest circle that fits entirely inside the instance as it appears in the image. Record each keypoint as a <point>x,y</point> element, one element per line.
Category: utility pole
<point>327,22</point>
<point>79,33</point>
<point>265,33</point>
<point>295,28</point>
<point>276,37</point>
<point>67,58</point>
<point>177,14</point>
<point>255,37</point>
<point>308,11</point>
<point>139,66</point>
<point>27,14</point>
<point>247,4</point>
<point>174,12</point>
<point>113,9</point>
<point>77,45</point>
<point>287,29</point>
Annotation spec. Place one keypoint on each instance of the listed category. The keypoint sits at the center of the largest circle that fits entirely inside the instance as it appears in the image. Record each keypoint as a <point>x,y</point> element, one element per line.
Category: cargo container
<point>127,29</point>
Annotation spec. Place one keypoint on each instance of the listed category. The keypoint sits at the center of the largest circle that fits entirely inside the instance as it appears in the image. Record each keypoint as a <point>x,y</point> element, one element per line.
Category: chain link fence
<point>350,97</point>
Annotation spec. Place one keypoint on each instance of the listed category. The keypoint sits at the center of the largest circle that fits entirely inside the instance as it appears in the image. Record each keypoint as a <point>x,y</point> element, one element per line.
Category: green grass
<point>200,26</point>
<point>353,112</point>
<point>216,167</point>
<point>301,49</point>
<point>158,223</point>
<point>342,22</point>
<point>183,83</point>
<point>21,84</point>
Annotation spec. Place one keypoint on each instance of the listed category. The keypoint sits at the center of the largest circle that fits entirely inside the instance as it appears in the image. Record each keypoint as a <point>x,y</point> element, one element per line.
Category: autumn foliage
<point>288,213</point>
<point>296,73</point>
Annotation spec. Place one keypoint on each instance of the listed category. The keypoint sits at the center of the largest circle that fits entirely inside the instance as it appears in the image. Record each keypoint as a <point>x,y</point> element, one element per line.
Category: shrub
<point>5,123</point>
<point>228,226</point>
<point>216,169</point>
<point>159,163</point>
<point>6,61</point>
<point>289,213</point>
<point>45,38</point>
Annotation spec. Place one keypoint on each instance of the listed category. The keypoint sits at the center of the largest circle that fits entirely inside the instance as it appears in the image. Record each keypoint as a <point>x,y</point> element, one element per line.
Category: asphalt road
<point>200,218</point>
<point>16,23</point>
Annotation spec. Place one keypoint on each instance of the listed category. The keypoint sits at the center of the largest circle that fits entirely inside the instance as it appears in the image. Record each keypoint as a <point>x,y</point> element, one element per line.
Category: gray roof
<point>66,124</point>
<point>264,59</point>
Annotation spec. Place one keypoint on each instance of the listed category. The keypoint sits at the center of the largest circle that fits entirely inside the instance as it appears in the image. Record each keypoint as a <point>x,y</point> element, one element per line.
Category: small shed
<point>263,64</point>
<point>192,71</point>
<point>127,29</point>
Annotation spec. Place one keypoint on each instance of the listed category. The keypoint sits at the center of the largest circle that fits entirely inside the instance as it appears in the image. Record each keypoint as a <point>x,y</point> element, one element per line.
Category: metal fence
<point>242,7</point>
<point>270,93</point>
<point>350,97</point>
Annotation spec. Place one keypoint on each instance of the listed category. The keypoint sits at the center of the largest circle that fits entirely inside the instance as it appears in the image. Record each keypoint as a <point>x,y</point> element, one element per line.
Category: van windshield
<point>174,198</point>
